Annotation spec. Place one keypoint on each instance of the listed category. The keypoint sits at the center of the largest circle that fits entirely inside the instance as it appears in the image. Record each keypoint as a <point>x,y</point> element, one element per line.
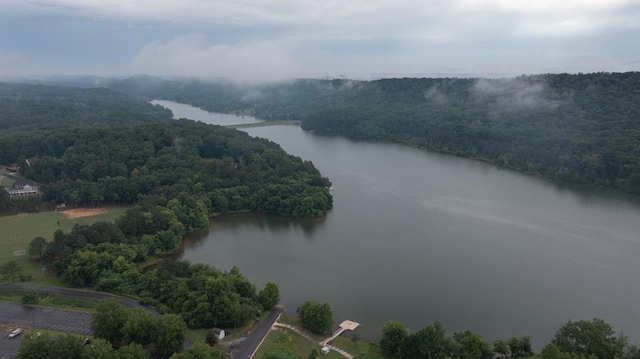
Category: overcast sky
<point>251,40</point>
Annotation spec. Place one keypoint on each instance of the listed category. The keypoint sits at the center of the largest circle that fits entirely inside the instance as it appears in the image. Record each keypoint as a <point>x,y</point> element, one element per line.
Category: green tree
<point>527,349</point>
<point>430,342</point>
<point>211,338</point>
<point>316,317</point>
<point>108,321</point>
<point>269,296</point>
<point>139,327</point>
<point>590,337</point>
<point>471,346</point>
<point>133,351</point>
<point>515,346</point>
<point>29,297</point>
<point>170,331</point>
<point>199,351</point>
<point>394,335</point>
<point>314,354</point>
<point>632,352</point>
<point>37,247</point>
<point>551,351</point>
<point>99,349</point>
<point>34,347</point>
<point>66,346</point>
<point>500,348</point>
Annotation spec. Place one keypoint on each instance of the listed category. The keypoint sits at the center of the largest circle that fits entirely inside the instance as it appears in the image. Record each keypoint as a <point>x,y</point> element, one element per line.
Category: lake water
<point>420,237</point>
<point>181,110</point>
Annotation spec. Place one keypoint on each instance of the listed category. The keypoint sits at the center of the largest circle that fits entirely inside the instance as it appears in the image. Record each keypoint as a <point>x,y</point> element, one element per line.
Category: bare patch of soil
<point>83,212</point>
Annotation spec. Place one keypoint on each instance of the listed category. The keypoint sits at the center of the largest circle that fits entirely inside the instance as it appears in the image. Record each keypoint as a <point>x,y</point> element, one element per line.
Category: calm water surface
<point>421,237</point>
<point>181,110</point>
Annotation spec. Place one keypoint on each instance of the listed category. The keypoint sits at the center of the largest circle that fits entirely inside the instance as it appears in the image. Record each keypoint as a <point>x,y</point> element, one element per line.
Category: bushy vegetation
<point>316,317</point>
<point>100,255</point>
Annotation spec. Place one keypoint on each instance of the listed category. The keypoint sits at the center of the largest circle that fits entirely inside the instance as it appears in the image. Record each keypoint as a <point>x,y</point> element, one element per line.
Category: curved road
<point>127,302</point>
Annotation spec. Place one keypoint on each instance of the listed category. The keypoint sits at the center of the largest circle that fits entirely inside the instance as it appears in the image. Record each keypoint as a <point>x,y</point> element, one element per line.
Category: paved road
<point>127,302</point>
<point>42,318</point>
<point>258,335</point>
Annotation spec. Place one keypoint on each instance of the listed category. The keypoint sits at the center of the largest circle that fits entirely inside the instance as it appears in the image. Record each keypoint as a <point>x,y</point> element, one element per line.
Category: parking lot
<point>40,318</point>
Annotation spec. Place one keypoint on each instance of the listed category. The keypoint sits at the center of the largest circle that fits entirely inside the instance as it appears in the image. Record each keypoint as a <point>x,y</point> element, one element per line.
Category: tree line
<point>35,107</point>
<point>580,128</point>
<point>583,339</point>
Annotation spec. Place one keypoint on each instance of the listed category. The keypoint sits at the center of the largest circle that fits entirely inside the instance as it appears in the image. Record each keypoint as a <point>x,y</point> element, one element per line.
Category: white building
<point>24,187</point>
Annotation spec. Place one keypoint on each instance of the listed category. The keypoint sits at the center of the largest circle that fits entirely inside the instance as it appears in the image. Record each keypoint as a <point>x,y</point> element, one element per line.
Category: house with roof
<point>24,187</point>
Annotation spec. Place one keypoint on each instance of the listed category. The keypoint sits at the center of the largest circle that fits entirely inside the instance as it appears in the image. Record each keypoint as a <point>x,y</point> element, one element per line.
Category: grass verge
<point>18,230</point>
<point>58,302</point>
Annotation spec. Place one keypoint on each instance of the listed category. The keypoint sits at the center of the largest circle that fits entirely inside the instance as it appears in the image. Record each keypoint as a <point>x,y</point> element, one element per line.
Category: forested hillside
<point>28,107</point>
<point>210,169</point>
<point>582,128</point>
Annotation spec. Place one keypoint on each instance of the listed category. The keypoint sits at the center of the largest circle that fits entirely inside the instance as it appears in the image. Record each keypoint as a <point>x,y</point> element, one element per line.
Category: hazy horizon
<point>273,40</point>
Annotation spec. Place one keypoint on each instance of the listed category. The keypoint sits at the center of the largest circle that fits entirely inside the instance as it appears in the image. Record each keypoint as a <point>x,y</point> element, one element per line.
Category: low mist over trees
<point>578,128</point>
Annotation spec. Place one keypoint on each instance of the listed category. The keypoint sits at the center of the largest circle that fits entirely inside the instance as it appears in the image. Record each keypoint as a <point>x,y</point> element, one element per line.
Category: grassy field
<point>279,338</point>
<point>18,230</point>
<point>6,181</point>
<point>282,337</point>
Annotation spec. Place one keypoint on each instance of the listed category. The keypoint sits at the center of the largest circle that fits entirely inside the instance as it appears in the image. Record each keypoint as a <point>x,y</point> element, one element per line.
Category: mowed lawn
<point>280,337</point>
<point>18,230</point>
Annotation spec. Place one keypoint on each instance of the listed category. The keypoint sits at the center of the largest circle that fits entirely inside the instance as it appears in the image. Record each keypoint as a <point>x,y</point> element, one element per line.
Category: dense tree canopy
<point>29,107</point>
<point>580,128</point>
<point>590,338</point>
<point>163,335</point>
<point>393,338</point>
<point>197,169</point>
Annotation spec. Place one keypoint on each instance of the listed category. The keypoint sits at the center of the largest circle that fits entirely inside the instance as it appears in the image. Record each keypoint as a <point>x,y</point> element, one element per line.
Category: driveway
<point>251,344</point>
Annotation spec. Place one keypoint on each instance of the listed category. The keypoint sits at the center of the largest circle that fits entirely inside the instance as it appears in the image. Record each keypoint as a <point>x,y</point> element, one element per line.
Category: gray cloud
<point>272,39</point>
<point>191,56</point>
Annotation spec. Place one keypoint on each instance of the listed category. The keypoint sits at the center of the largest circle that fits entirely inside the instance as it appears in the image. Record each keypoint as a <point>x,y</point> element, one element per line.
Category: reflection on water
<point>267,223</point>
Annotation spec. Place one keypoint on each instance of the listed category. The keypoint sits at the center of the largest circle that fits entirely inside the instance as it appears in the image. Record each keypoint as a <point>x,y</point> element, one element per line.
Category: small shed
<point>325,350</point>
<point>219,333</point>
